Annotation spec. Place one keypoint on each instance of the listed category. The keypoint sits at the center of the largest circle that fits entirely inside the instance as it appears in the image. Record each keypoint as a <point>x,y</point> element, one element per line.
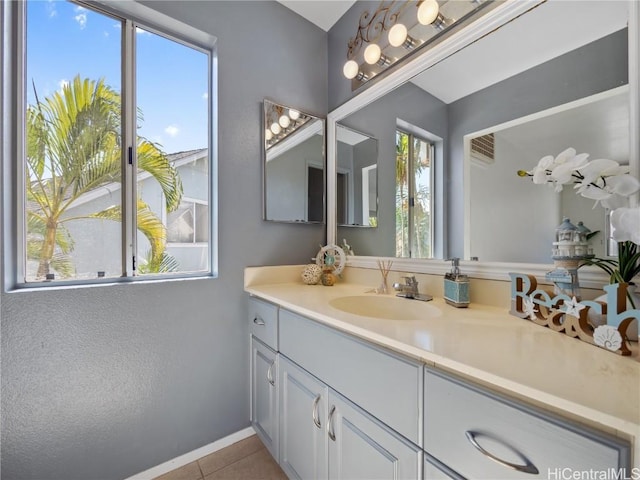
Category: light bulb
<point>294,114</point>
<point>372,54</point>
<point>350,69</point>
<point>268,135</point>
<point>428,12</point>
<point>275,128</point>
<point>284,121</point>
<point>397,34</point>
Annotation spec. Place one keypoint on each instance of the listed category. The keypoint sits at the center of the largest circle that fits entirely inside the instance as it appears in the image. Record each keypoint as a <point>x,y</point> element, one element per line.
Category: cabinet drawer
<point>481,435</point>
<point>263,321</point>
<point>386,385</point>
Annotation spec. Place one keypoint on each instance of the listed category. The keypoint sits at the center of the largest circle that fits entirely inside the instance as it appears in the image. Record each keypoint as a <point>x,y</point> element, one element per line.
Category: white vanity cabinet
<point>344,408</point>
<point>263,325</point>
<point>264,394</point>
<point>479,434</point>
<point>325,436</point>
<point>303,423</point>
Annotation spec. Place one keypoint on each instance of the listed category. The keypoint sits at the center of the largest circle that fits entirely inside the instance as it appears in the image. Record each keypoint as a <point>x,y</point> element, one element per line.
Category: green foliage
<point>73,146</point>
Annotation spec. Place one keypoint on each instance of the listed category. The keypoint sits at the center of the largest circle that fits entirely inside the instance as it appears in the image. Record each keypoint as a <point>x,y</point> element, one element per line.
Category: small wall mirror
<point>294,165</point>
<point>357,178</point>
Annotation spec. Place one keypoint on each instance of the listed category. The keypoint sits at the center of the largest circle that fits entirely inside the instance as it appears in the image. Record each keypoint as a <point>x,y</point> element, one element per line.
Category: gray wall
<point>108,381</point>
<point>339,35</point>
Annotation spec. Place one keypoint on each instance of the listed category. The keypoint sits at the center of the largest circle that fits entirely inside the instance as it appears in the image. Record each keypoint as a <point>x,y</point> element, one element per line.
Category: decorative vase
<point>632,332</point>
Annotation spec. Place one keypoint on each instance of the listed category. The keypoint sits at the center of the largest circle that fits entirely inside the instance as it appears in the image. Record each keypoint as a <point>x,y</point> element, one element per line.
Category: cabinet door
<point>303,415</point>
<point>264,394</point>
<point>360,447</point>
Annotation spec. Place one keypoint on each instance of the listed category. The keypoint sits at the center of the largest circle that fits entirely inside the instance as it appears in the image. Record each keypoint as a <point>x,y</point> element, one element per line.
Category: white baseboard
<point>193,455</point>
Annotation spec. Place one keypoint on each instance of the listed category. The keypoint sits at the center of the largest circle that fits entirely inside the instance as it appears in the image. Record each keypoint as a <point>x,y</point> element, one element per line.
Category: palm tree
<point>73,147</point>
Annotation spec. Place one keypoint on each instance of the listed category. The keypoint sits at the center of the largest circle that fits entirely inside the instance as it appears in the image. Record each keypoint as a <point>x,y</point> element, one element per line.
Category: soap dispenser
<point>456,286</point>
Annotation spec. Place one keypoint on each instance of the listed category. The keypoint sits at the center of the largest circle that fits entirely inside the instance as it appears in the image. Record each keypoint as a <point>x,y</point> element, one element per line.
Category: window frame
<point>12,126</point>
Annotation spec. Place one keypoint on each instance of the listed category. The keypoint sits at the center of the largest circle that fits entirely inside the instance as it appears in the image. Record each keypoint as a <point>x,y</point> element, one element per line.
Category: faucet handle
<point>411,280</point>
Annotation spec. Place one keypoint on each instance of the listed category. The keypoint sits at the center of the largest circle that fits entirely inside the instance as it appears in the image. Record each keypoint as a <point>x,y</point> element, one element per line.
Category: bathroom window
<point>414,199</point>
<point>114,146</point>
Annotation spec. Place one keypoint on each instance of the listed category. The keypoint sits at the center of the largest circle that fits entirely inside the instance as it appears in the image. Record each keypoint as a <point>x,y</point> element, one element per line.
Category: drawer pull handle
<point>270,374</point>
<point>258,321</point>
<point>330,431</point>
<point>528,467</point>
<point>314,413</point>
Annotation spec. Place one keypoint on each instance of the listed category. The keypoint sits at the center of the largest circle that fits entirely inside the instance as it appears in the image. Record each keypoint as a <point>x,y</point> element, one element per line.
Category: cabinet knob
<point>314,413</point>
<point>258,321</point>
<point>528,467</point>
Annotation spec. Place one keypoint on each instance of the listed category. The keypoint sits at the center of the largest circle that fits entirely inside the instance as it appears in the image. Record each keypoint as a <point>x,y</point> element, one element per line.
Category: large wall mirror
<point>293,166</point>
<point>535,79</point>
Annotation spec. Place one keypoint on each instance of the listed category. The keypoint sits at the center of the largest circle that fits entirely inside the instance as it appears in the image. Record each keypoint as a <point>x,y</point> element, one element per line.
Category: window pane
<point>422,152</point>
<point>172,153</point>
<point>72,169</point>
<point>402,194</point>
<point>180,224</point>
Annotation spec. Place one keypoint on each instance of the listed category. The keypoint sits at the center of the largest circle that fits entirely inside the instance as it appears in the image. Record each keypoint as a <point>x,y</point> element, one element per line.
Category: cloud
<point>172,130</point>
<point>51,9</point>
<point>205,95</point>
<point>117,26</point>
<point>140,31</point>
<point>62,83</point>
<point>81,18</point>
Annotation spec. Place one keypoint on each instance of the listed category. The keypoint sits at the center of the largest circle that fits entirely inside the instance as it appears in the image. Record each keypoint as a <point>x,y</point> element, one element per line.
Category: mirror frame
<point>591,277</point>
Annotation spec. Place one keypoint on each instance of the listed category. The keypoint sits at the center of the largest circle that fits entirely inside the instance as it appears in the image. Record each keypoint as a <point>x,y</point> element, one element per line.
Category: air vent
<point>482,150</point>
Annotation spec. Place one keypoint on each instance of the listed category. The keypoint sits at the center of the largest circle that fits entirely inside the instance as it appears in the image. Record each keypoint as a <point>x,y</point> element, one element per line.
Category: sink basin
<point>385,307</point>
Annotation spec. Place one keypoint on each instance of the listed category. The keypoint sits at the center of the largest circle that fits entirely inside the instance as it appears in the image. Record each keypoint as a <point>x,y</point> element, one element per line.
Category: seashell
<point>608,337</point>
<point>311,274</point>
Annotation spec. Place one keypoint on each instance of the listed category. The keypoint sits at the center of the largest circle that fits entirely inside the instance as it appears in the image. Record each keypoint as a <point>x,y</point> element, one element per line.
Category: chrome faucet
<point>409,289</point>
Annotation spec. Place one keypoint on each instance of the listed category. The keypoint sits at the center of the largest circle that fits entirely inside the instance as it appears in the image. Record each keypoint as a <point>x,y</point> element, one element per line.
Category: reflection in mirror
<point>294,165</point>
<point>357,178</point>
<point>512,73</point>
<point>598,125</point>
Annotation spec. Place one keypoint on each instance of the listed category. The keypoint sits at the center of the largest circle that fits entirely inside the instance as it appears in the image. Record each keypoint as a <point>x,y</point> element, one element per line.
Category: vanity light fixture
<point>280,122</point>
<point>395,30</point>
<point>399,37</point>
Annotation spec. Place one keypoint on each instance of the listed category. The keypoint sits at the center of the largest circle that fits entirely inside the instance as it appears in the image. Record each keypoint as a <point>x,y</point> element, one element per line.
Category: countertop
<point>486,344</point>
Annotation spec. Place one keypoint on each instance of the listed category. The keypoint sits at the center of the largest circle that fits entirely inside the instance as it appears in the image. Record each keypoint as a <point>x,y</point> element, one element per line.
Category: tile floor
<point>246,460</point>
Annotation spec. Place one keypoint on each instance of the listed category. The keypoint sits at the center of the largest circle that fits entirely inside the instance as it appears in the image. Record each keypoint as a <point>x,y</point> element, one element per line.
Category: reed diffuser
<point>384,267</point>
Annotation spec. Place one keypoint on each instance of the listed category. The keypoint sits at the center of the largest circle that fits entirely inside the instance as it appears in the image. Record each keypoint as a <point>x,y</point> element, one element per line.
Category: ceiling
<point>322,13</point>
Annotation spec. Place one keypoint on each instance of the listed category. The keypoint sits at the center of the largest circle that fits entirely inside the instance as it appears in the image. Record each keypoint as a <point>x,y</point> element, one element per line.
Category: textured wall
<point>108,381</point>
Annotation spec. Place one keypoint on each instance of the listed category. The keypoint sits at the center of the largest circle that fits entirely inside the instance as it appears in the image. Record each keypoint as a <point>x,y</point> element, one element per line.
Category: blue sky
<point>64,40</point>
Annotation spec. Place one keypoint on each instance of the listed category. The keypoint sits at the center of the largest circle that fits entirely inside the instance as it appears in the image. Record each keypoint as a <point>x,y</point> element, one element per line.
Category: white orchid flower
<point>625,223</point>
<point>540,171</point>
<point>606,190</point>
<point>563,172</point>
<point>594,171</point>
